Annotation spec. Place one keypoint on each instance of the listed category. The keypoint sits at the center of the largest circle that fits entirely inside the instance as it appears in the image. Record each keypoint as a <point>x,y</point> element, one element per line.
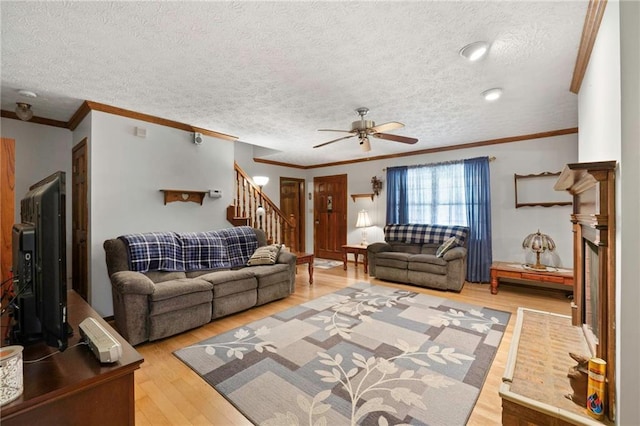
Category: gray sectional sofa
<point>166,283</point>
<point>409,255</point>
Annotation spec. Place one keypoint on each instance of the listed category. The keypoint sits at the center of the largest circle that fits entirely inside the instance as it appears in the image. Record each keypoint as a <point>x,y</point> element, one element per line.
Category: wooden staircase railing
<point>278,228</point>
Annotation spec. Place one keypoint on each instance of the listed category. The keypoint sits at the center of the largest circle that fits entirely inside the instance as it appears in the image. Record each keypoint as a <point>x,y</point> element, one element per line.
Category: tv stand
<point>73,387</point>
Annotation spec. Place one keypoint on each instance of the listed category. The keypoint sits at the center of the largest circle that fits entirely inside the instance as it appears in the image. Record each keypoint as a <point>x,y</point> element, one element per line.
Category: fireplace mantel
<point>592,186</point>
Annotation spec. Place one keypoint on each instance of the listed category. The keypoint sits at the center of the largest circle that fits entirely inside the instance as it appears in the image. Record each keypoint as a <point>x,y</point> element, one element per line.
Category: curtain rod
<point>490,160</point>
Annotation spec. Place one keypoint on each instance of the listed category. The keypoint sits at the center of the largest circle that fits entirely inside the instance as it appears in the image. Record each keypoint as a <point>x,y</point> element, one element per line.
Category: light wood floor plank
<point>169,392</point>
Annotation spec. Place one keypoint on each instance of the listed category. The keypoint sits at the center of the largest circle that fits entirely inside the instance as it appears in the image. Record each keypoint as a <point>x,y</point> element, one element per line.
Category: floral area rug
<point>365,354</point>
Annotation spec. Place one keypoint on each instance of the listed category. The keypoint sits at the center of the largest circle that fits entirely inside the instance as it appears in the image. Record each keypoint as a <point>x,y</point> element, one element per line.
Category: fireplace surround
<point>592,186</point>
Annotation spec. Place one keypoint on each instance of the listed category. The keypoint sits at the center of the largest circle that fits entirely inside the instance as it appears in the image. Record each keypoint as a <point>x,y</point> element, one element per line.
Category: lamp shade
<point>365,144</point>
<point>261,180</point>
<point>363,219</point>
<point>538,243</point>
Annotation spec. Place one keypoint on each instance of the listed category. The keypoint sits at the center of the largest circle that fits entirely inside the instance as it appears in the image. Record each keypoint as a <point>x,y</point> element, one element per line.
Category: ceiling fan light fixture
<point>492,94</point>
<point>475,51</point>
<point>365,144</point>
<point>23,111</point>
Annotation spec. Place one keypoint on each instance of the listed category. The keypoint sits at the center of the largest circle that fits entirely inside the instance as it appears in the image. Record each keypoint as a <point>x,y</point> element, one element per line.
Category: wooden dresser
<point>72,387</point>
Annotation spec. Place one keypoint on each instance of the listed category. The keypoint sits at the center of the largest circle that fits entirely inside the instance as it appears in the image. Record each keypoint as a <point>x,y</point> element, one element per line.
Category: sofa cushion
<point>231,282</point>
<point>405,248</point>
<point>196,274</point>
<point>265,255</point>
<point>428,248</point>
<point>393,259</point>
<point>179,295</point>
<point>446,246</point>
<point>427,263</point>
<point>270,275</point>
<point>179,287</point>
<point>161,276</point>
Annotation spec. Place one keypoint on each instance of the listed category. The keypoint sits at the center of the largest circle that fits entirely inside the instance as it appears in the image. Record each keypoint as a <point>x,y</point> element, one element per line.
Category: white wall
<point>509,225</point>
<point>609,130</point>
<point>126,175</point>
<point>40,151</point>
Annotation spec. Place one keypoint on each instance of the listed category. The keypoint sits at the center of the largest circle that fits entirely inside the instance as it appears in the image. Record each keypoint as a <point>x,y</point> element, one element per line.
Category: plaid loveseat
<point>410,254</point>
<point>164,283</point>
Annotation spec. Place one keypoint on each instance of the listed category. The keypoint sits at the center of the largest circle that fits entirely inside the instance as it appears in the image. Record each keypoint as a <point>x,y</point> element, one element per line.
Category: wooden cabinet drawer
<point>544,278</point>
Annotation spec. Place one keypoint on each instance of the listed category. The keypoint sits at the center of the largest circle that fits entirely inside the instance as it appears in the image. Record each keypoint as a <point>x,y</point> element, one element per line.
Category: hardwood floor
<point>167,392</point>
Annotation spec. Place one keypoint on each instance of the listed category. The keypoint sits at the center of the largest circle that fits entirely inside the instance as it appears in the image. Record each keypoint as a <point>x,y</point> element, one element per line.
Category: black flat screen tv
<point>40,266</point>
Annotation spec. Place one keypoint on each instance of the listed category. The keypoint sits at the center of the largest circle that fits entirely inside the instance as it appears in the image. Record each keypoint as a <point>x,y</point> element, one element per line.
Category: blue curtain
<point>478,195</point>
<point>397,201</point>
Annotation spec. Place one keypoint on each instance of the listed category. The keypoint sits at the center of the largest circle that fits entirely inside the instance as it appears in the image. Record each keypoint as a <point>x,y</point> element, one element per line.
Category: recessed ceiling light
<point>492,94</point>
<point>475,51</point>
<point>27,93</point>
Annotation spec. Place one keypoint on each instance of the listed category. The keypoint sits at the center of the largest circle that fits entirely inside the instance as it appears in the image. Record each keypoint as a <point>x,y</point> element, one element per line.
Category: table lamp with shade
<point>538,243</point>
<point>363,222</point>
<point>260,211</point>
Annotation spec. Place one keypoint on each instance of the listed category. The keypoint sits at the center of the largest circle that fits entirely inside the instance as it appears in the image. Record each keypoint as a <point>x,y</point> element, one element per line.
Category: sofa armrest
<point>372,250</point>
<point>129,282</point>
<point>455,253</point>
<point>286,257</point>
<point>378,247</point>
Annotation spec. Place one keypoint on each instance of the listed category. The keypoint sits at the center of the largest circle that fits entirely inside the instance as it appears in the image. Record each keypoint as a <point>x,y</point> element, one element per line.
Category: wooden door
<point>330,216</point>
<point>79,220</point>
<point>292,203</point>
<point>7,219</point>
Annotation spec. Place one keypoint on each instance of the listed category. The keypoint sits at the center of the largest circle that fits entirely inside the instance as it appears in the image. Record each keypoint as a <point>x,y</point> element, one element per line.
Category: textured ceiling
<point>272,73</point>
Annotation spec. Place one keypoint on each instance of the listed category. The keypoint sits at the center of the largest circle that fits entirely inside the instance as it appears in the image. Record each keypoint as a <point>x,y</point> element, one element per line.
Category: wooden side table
<point>302,258</point>
<point>356,249</point>
<point>518,271</point>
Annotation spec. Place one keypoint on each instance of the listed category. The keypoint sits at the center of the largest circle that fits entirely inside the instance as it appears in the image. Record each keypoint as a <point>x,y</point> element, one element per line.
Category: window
<point>453,193</point>
<point>436,194</point>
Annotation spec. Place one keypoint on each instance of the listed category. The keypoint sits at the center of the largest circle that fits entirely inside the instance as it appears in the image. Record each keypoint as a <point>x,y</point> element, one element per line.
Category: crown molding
<point>510,139</point>
<point>35,119</point>
<point>96,106</point>
<point>590,29</point>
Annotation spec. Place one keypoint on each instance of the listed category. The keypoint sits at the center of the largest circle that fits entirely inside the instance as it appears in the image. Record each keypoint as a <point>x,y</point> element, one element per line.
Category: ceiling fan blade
<point>385,127</point>
<point>332,141</point>
<point>333,130</point>
<point>395,138</point>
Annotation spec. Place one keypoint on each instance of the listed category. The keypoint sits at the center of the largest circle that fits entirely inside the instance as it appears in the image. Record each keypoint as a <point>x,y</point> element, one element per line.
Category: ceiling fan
<point>365,128</point>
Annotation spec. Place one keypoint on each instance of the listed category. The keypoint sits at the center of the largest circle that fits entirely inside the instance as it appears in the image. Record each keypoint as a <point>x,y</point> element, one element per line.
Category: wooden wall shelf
<point>537,190</point>
<point>354,196</point>
<point>184,195</point>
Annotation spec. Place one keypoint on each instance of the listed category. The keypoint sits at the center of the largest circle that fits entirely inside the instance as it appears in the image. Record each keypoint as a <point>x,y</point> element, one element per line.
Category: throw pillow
<point>446,246</point>
<point>265,255</point>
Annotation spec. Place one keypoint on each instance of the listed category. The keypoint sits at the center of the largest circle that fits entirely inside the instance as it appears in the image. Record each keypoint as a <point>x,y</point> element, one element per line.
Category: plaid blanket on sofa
<point>425,234</point>
<point>204,250</point>
<point>154,251</point>
<point>241,243</point>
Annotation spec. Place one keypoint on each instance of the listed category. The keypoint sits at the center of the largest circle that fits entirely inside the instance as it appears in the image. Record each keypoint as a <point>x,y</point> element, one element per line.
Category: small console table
<point>73,387</point>
<point>302,258</point>
<point>514,270</point>
<point>356,249</point>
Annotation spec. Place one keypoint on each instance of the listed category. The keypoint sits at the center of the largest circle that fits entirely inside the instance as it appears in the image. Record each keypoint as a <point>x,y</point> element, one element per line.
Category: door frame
<point>80,284</point>
<point>301,218</point>
<point>342,227</point>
